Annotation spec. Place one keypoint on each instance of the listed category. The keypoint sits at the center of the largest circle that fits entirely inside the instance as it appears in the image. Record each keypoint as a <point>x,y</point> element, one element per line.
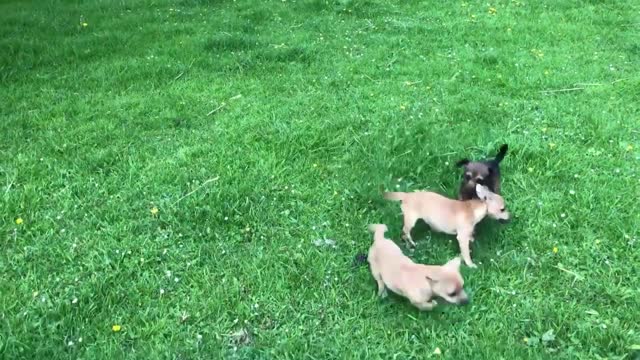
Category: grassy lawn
<point>166,167</point>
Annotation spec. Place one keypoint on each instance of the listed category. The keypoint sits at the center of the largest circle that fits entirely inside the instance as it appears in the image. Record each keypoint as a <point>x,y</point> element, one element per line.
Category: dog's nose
<point>464,301</point>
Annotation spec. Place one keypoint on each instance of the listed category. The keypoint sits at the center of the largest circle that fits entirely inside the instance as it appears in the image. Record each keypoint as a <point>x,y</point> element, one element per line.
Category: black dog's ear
<point>462,162</point>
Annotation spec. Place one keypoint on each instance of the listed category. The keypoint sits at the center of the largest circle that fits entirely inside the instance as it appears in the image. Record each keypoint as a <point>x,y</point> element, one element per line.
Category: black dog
<point>485,172</point>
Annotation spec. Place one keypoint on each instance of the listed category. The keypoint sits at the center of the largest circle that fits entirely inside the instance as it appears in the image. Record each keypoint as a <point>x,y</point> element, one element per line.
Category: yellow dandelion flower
<point>525,340</point>
<point>629,147</point>
<point>402,107</point>
<point>492,10</point>
<point>19,221</point>
<point>84,24</point>
<point>537,53</point>
<point>555,249</point>
<point>508,29</point>
<point>437,351</point>
<point>530,169</point>
<point>544,130</point>
<point>116,328</point>
<point>552,146</point>
<point>154,211</point>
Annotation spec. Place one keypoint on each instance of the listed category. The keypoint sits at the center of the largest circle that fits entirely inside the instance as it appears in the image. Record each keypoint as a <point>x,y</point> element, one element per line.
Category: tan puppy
<point>450,216</point>
<point>418,283</point>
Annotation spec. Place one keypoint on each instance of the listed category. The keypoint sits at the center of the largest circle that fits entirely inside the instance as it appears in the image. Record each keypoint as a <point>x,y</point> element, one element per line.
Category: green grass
<point>321,105</point>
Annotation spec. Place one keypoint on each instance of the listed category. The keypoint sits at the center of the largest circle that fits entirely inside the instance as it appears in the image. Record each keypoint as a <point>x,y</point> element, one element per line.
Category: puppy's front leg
<point>464,238</point>
<point>424,305</point>
<point>407,238</point>
<point>382,289</point>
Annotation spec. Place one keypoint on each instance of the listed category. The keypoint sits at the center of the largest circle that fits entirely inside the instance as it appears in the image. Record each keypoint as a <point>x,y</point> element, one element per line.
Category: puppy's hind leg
<point>382,289</point>
<point>409,221</point>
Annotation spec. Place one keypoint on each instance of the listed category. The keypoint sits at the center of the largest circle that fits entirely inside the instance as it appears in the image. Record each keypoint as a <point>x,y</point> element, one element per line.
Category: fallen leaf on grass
<point>241,337</point>
<point>324,242</point>
<point>548,337</point>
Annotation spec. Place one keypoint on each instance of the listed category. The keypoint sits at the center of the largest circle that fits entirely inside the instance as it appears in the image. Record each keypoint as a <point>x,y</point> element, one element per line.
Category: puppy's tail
<point>378,231</point>
<point>397,196</point>
<point>378,228</point>
<point>501,152</point>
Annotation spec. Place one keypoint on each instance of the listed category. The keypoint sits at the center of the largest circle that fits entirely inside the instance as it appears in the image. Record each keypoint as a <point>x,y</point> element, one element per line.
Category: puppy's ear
<point>440,273</point>
<point>432,274</point>
<point>482,191</point>
<point>462,162</point>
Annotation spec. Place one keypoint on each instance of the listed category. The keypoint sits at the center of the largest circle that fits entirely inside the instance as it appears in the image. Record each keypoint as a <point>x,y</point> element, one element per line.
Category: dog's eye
<point>453,293</point>
<point>502,210</point>
<point>467,177</point>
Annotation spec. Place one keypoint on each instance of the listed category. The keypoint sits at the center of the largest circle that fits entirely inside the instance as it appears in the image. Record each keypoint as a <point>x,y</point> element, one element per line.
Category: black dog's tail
<point>360,259</point>
<point>501,153</point>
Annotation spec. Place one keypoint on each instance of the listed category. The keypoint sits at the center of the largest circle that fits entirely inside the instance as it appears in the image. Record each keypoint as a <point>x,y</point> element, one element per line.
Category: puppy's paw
<point>472,265</point>
<point>430,305</point>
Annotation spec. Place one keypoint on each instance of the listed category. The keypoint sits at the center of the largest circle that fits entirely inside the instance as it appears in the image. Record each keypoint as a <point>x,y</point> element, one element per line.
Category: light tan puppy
<point>418,283</point>
<point>450,216</point>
